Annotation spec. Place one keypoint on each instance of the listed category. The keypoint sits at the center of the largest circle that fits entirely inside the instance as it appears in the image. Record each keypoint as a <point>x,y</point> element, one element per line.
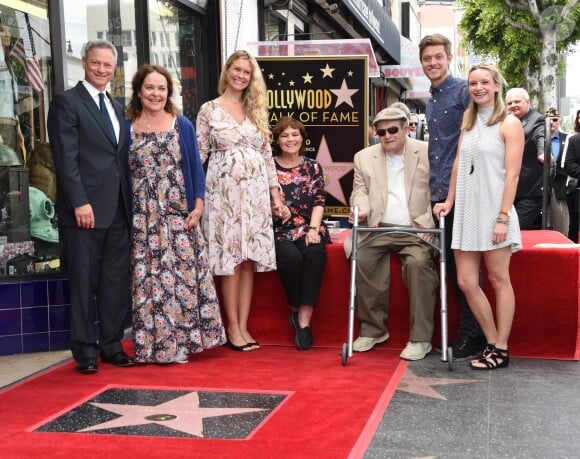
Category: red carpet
<point>329,410</point>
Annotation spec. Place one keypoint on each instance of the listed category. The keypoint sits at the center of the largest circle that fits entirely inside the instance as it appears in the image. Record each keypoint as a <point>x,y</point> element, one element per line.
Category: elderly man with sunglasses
<point>391,188</point>
<point>413,126</point>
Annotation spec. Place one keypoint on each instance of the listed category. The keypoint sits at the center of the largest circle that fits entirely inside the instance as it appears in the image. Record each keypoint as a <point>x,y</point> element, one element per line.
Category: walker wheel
<point>450,358</point>
<point>344,354</point>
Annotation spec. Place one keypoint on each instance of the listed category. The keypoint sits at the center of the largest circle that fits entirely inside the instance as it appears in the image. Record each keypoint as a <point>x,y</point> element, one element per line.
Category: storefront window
<point>28,235</point>
<point>28,222</point>
<point>179,50</point>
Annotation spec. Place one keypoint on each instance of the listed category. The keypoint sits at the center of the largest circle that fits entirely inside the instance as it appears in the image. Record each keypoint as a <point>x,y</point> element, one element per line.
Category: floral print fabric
<point>237,220</point>
<point>175,305</point>
<point>302,189</point>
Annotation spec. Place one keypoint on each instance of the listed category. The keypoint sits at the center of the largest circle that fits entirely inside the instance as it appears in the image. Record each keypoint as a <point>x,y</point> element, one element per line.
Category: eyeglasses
<point>392,130</point>
<point>413,124</point>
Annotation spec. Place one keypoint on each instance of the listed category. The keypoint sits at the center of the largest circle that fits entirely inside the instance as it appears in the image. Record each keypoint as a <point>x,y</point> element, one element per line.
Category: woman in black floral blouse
<point>301,239</point>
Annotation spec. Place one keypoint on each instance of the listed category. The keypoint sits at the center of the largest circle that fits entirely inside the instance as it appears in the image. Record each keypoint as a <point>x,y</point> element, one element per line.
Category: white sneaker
<point>364,343</point>
<point>415,351</point>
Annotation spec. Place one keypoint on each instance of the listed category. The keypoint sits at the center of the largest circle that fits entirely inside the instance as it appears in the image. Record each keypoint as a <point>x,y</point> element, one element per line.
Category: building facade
<point>41,55</point>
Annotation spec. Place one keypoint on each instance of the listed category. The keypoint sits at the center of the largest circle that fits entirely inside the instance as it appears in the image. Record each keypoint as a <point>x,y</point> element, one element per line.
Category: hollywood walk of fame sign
<point>329,95</point>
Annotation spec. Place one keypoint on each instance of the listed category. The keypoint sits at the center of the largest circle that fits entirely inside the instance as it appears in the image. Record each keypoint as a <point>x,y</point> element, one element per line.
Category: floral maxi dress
<point>175,305</point>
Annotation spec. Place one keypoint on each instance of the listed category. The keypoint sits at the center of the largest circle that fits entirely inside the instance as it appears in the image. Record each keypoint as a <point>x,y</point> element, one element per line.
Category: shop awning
<point>379,25</point>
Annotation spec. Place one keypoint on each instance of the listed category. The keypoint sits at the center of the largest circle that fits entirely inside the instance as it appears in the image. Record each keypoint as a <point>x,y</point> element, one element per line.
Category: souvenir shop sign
<point>329,95</point>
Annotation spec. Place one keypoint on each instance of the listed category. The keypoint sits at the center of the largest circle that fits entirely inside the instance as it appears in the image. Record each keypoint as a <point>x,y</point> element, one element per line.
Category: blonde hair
<point>499,108</point>
<point>254,96</point>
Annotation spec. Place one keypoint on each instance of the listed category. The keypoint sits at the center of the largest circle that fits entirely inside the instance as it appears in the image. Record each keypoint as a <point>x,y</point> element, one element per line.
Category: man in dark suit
<point>528,202</point>
<point>571,159</point>
<point>87,141</point>
<point>558,204</point>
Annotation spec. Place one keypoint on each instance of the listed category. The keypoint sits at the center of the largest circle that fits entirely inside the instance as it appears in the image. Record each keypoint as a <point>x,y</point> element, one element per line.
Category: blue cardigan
<point>193,174</point>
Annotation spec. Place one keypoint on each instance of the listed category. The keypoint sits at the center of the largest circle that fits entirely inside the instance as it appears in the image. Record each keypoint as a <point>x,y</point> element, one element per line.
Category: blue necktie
<point>106,116</point>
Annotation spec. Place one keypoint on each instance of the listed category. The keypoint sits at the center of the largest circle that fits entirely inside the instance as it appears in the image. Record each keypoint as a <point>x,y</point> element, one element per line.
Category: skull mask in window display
<point>41,215</point>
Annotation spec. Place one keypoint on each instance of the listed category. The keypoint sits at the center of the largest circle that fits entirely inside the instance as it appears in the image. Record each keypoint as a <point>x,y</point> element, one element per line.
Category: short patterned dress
<point>481,179</point>
<point>237,220</point>
<point>175,305</point>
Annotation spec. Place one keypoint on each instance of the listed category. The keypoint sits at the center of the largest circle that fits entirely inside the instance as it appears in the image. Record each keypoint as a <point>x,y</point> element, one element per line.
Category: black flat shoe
<point>303,336</point>
<point>87,366</point>
<point>120,359</point>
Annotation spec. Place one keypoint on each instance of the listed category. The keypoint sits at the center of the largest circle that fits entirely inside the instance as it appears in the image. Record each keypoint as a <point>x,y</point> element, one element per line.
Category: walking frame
<point>446,350</point>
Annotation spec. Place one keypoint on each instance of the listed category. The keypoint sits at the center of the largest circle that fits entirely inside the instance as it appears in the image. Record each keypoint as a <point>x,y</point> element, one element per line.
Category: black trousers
<point>301,268</point>
<point>97,265</point>
<point>529,212</point>
<point>468,325</point>
<point>572,201</point>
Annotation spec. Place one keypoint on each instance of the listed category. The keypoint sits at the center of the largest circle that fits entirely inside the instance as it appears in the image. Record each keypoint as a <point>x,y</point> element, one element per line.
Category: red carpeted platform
<point>545,281</point>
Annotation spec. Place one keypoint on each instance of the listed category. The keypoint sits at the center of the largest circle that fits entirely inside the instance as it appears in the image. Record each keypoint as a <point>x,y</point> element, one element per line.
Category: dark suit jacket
<point>559,177</point>
<point>572,158</point>
<point>91,167</point>
<point>530,183</point>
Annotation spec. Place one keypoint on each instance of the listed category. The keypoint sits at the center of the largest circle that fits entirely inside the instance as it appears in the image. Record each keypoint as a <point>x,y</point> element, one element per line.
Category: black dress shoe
<point>120,359</point>
<point>468,347</point>
<point>87,366</point>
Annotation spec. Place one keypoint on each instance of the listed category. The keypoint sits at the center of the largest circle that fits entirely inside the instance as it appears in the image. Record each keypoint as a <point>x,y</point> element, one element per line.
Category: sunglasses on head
<point>392,130</point>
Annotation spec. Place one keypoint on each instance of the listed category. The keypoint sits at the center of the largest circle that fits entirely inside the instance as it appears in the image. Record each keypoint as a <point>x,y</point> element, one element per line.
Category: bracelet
<point>502,221</point>
<point>315,228</point>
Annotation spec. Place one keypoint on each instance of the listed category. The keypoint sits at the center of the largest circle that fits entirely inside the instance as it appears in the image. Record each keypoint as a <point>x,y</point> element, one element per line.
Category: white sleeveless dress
<point>480,183</point>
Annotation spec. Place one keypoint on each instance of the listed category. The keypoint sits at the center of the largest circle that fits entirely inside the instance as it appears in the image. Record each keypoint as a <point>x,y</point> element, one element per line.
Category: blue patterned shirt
<point>444,113</point>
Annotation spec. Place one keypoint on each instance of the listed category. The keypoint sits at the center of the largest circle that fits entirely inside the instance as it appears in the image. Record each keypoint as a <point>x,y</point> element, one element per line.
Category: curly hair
<point>135,107</point>
<point>284,123</point>
<point>254,96</point>
<point>499,110</point>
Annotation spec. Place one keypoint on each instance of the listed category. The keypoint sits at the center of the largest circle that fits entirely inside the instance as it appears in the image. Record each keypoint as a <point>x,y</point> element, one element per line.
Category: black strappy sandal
<point>492,358</point>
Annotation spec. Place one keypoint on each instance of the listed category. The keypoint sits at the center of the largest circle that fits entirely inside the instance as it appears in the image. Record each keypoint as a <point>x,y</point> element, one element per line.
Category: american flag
<point>32,72</point>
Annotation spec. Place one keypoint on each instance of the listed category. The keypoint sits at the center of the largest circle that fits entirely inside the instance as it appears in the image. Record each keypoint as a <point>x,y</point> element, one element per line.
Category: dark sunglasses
<point>554,120</point>
<point>413,124</point>
<point>392,130</point>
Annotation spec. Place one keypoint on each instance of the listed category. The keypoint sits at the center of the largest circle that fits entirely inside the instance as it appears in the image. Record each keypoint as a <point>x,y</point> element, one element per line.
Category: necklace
<point>481,120</point>
<point>154,121</point>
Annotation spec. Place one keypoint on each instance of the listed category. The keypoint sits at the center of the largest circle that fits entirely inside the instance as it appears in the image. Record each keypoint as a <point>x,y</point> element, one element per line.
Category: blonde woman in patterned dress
<point>242,189</point>
<point>175,305</point>
<point>483,186</point>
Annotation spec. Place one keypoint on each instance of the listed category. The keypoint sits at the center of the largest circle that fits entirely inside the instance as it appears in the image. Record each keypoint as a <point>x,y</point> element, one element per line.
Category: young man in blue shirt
<point>443,115</point>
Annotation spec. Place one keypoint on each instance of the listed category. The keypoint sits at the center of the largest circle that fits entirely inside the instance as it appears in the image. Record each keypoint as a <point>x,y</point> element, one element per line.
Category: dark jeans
<point>468,325</point>
<point>529,212</point>
<point>301,268</point>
